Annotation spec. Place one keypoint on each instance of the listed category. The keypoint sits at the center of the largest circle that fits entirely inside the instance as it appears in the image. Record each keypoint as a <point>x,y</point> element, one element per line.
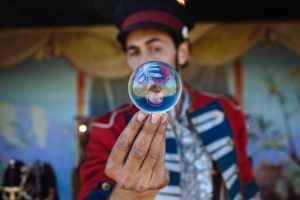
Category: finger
<point>160,163</point>
<point>160,176</point>
<point>161,159</point>
<point>123,144</point>
<point>156,148</point>
<point>141,144</point>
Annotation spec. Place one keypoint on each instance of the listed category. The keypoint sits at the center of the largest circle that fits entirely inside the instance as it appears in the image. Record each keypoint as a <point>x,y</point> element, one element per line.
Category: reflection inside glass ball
<point>155,87</point>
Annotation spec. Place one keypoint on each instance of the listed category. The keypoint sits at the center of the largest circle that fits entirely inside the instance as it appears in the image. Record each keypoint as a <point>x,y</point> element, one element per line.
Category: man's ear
<point>183,53</point>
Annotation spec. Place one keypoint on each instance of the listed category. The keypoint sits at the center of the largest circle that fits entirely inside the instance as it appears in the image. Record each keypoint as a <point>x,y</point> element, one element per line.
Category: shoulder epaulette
<point>233,103</point>
<point>113,115</point>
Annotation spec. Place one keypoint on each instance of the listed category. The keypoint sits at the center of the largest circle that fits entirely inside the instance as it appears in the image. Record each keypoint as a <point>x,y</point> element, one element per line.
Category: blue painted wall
<point>37,117</point>
<point>271,90</point>
<point>272,104</point>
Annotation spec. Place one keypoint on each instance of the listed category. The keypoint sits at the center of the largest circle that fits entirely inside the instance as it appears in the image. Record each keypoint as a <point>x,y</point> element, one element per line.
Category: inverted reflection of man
<point>154,95</point>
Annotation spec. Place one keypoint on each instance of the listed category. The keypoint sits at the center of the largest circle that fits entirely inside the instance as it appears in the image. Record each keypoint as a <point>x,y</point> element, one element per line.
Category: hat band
<point>153,16</point>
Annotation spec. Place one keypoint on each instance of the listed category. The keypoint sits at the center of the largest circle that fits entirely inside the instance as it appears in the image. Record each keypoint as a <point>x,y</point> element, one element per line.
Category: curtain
<point>94,50</point>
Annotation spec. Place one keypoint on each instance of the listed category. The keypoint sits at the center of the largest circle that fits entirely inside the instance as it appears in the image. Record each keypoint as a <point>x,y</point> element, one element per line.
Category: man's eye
<point>133,53</point>
<point>156,49</point>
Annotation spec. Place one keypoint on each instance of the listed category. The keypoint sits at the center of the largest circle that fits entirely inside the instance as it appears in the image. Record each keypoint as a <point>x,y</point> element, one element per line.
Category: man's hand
<point>136,161</point>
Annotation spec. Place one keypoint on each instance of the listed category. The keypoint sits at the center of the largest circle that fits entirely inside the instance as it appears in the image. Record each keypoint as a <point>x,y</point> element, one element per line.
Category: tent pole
<point>80,79</point>
<point>238,77</point>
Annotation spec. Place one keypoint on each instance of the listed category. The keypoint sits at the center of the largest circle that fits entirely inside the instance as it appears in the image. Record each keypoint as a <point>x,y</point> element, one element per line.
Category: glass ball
<point>154,87</point>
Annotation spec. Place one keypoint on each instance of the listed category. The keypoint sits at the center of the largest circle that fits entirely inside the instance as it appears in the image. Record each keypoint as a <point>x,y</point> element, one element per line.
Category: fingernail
<point>164,118</point>
<point>155,118</point>
<point>141,116</point>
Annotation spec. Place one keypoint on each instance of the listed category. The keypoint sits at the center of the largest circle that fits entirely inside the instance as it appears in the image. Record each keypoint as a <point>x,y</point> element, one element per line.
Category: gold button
<point>105,186</point>
<point>231,142</point>
<point>219,115</point>
<point>237,170</point>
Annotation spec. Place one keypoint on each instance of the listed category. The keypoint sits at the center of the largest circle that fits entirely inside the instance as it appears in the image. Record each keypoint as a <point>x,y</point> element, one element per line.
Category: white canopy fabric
<point>94,50</point>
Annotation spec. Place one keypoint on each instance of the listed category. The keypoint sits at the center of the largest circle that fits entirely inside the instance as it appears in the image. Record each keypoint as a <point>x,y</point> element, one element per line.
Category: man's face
<point>145,45</point>
<point>155,97</point>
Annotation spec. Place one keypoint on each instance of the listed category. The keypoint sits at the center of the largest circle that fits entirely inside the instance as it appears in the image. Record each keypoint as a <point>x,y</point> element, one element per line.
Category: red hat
<point>165,15</point>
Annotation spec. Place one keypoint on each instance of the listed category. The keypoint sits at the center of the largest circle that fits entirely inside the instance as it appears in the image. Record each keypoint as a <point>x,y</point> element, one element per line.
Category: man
<point>154,95</point>
<point>195,151</point>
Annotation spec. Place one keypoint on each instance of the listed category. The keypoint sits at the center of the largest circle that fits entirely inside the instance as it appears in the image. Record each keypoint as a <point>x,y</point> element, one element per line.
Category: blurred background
<point>61,67</point>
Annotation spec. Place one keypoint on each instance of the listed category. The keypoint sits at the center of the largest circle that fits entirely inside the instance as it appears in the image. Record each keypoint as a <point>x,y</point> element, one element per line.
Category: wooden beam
<point>80,81</point>
<point>80,94</point>
<point>238,77</point>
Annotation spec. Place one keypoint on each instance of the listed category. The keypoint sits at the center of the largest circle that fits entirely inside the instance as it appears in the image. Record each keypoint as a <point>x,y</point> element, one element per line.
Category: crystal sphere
<point>154,87</point>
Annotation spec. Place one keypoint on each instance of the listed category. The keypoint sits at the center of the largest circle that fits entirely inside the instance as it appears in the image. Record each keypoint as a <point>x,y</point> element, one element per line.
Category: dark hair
<point>155,88</point>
